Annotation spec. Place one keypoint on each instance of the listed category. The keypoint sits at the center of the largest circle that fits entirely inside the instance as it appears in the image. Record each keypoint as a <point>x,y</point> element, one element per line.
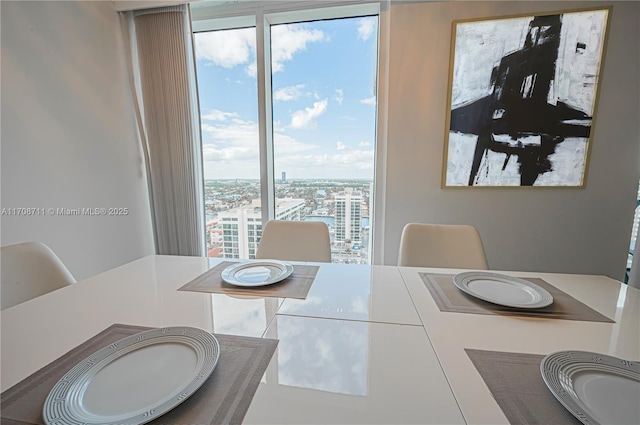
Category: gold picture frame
<point>522,99</point>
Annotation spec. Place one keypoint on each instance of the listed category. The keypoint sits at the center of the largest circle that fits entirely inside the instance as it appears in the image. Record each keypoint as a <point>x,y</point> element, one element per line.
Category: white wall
<point>560,230</point>
<point>68,140</point>
<point>68,134</point>
<point>144,4</point>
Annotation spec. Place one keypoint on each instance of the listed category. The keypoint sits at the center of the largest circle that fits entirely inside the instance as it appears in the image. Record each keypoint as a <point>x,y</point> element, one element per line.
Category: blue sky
<point>323,76</point>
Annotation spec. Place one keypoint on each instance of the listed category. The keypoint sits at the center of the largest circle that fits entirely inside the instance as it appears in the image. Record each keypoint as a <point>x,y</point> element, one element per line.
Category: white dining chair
<point>28,270</point>
<point>295,241</point>
<point>453,246</point>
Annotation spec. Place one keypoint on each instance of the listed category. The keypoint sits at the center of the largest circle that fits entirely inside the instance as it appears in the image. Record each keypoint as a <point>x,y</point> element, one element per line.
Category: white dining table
<point>367,345</point>
<point>451,333</point>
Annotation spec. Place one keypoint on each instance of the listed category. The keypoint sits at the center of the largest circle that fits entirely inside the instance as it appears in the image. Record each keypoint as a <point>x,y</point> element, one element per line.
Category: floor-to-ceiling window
<point>324,106</point>
<point>288,109</point>
<point>229,118</point>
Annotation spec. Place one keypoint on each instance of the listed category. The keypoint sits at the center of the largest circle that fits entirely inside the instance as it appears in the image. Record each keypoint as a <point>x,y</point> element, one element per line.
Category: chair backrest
<point>441,245</point>
<point>28,270</point>
<point>295,241</point>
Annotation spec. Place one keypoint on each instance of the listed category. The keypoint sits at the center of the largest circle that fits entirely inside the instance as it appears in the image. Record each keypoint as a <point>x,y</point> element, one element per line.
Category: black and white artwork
<point>522,99</point>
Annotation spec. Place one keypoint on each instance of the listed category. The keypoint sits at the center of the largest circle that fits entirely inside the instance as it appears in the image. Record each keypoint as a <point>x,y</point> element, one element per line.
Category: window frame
<point>262,15</point>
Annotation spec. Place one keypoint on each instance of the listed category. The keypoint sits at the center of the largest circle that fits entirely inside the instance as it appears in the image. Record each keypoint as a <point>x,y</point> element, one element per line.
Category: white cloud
<point>289,39</point>
<point>217,115</point>
<point>231,150</point>
<point>289,93</point>
<point>369,100</point>
<point>344,162</point>
<point>234,145</point>
<point>366,26</point>
<point>239,138</point>
<point>277,126</point>
<point>304,118</point>
<point>232,142</point>
<point>364,144</point>
<point>252,69</point>
<point>339,96</point>
<point>231,48</point>
<point>349,162</point>
<point>284,145</point>
<point>228,48</point>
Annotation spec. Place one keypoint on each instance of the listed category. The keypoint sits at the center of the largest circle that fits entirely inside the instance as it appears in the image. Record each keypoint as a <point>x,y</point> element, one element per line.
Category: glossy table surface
<point>367,345</point>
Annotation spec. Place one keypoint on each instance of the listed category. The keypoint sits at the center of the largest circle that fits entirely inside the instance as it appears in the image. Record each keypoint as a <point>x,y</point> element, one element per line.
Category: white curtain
<point>162,73</point>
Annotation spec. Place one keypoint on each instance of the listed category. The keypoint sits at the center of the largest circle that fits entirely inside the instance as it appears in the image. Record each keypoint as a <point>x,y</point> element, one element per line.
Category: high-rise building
<point>348,216</point>
<point>214,239</point>
<point>242,227</point>
<point>284,177</point>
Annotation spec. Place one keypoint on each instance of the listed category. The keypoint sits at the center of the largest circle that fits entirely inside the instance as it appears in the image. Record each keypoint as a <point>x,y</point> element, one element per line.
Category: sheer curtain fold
<point>162,73</point>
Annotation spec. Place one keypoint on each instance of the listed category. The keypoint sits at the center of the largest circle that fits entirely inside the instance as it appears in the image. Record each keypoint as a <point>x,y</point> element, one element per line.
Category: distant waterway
<point>329,221</point>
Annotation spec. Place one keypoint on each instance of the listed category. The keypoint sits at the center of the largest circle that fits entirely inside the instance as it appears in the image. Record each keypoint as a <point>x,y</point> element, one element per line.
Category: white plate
<point>595,388</point>
<point>257,272</point>
<point>503,290</point>
<point>134,380</point>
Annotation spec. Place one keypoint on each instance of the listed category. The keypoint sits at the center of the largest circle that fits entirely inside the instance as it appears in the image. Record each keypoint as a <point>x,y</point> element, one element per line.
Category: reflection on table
<point>367,345</point>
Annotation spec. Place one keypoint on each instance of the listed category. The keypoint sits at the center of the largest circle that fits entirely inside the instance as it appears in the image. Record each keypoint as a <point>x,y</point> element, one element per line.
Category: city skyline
<point>234,217</point>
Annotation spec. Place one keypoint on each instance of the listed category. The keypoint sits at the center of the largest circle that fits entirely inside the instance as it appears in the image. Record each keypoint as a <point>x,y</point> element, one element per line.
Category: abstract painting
<point>522,98</point>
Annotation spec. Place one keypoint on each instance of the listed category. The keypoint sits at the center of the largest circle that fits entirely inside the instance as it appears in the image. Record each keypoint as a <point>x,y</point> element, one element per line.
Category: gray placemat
<point>223,399</point>
<point>295,286</point>
<point>449,298</point>
<point>516,384</point>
